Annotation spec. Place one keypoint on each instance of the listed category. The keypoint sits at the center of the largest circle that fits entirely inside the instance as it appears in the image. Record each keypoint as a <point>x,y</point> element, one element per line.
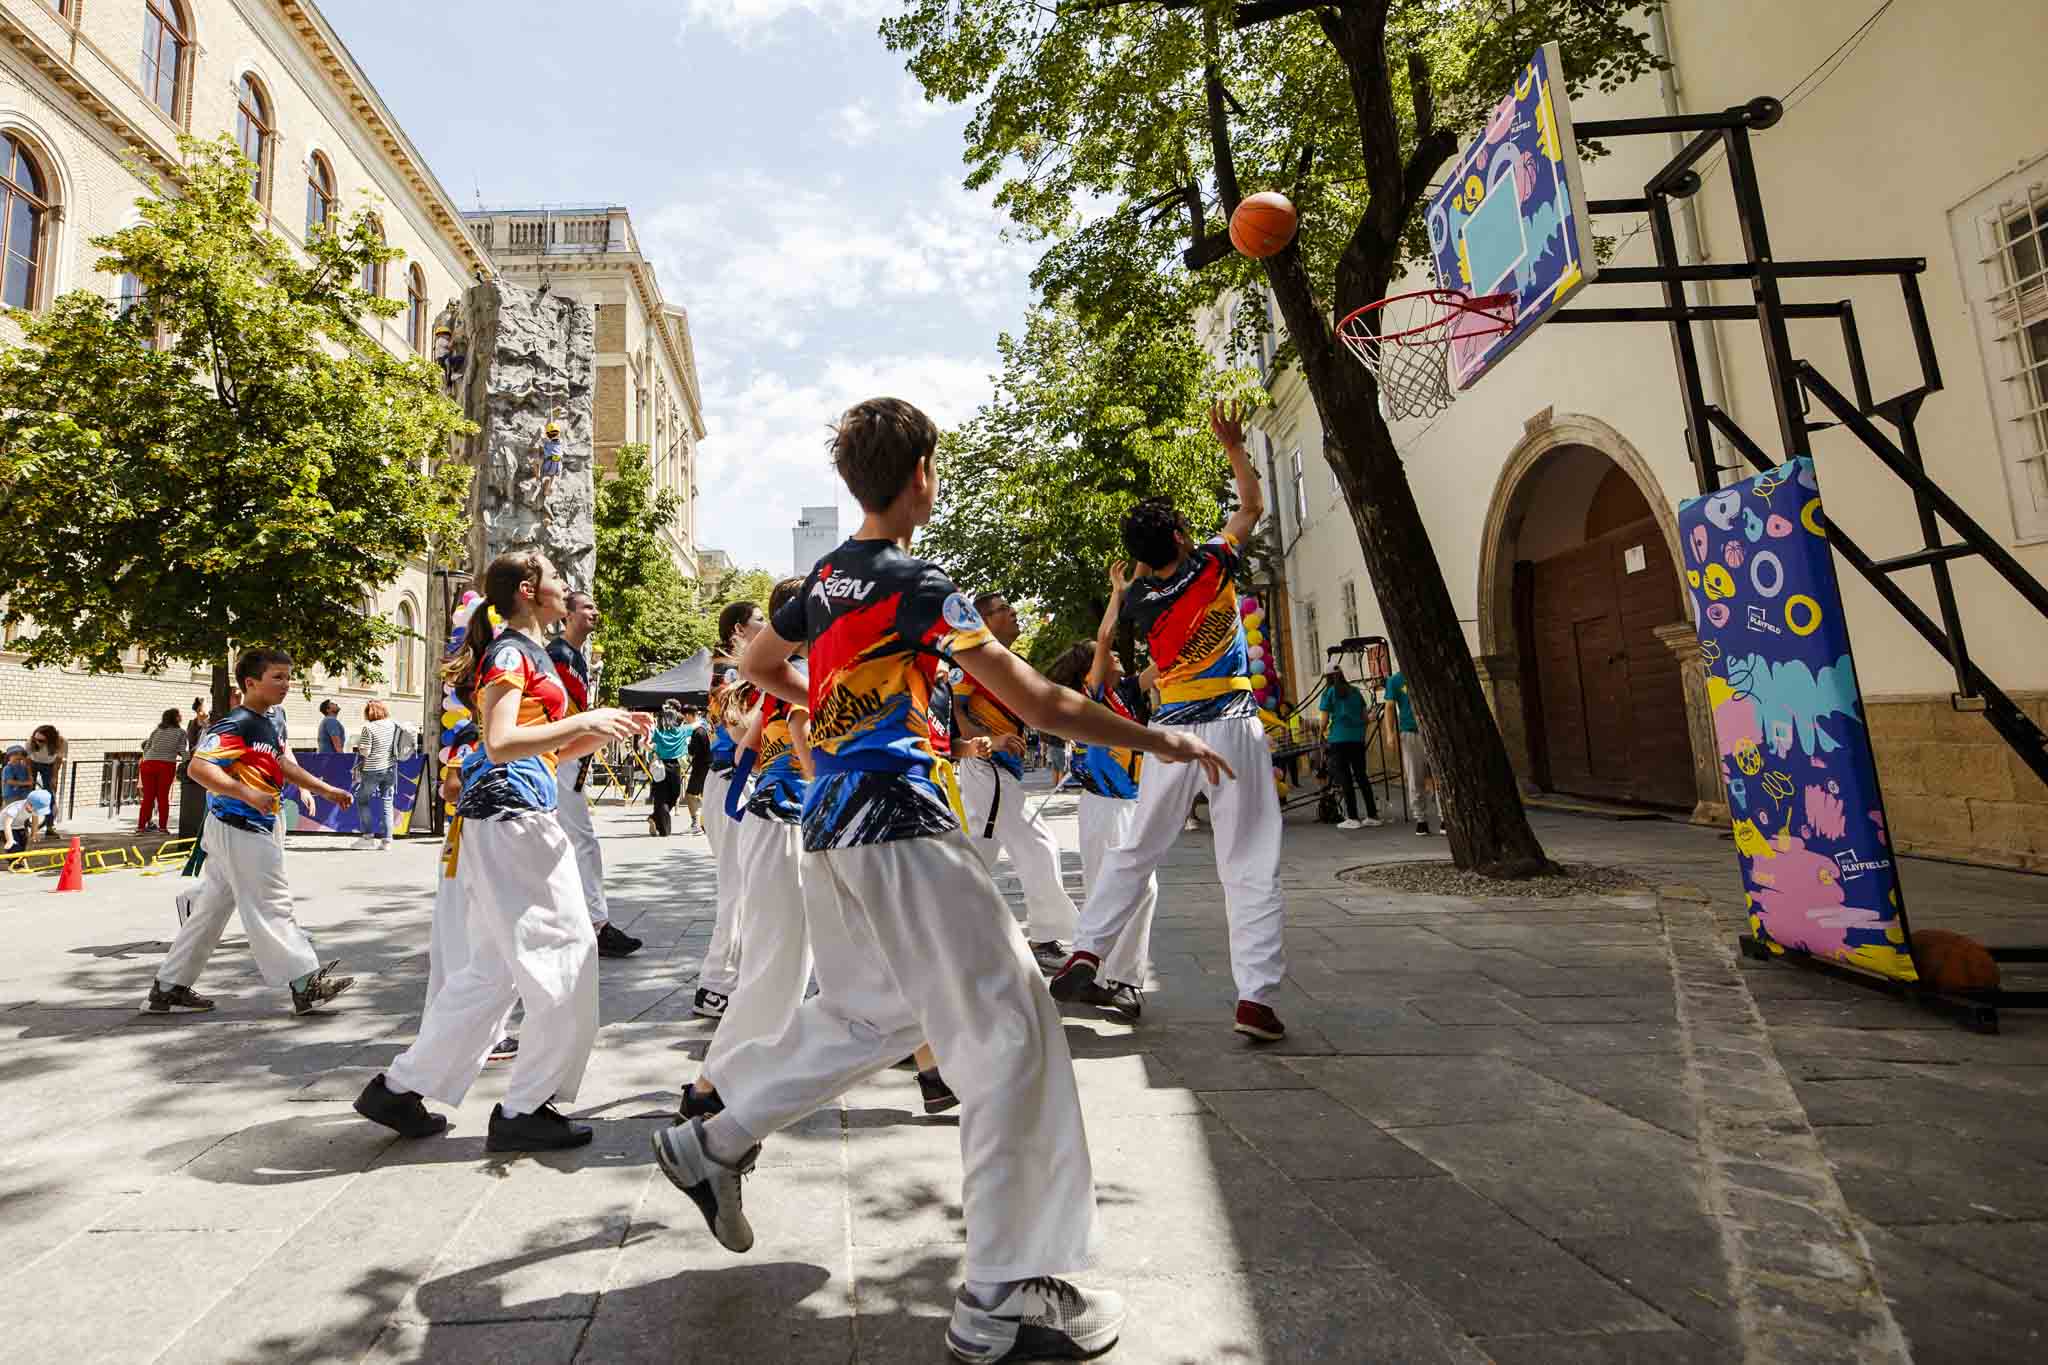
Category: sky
<point>796,193</point>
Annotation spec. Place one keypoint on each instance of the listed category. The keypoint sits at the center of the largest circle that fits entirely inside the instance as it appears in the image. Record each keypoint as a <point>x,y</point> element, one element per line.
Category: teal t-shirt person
<point>1404,710</point>
<point>1345,707</point>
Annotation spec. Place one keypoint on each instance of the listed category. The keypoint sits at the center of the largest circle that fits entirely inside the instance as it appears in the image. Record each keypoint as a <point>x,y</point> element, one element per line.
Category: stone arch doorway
<point>1582,607</point>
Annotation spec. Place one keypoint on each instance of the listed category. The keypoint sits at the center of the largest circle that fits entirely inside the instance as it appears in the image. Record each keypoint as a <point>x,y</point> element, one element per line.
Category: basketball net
<point>1405,340</point>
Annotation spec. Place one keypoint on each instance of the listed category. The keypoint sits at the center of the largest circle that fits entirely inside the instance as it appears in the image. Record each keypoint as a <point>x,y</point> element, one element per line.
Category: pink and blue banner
<point>304,813</point>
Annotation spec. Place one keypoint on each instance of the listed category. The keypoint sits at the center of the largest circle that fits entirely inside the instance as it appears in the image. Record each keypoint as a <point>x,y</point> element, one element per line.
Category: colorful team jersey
<point>1191,628</point>
<point>981,706</point>
<point>1108,771</point>
<point>499,791</point>
<point>779,783</point>
<point>724,748</point>
<point>574,671</point>
<point>941,708</point>
<point>881,624</point>
<point>246,744</point>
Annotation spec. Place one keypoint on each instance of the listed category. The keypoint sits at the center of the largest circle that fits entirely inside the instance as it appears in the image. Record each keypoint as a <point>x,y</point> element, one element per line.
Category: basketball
<point>1950,961</point>
<point>1263,225</point>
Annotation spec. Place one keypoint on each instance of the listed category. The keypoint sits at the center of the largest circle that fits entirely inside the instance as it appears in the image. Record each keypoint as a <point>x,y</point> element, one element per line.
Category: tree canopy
<point>231,458</point>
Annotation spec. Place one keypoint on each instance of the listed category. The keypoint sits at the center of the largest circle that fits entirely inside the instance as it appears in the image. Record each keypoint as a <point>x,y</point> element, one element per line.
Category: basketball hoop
<point>1408,351</point>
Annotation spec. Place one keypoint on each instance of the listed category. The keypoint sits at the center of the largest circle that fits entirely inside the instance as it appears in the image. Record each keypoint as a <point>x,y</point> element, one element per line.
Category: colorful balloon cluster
<point>1265,670</point>
<point>455,716</point>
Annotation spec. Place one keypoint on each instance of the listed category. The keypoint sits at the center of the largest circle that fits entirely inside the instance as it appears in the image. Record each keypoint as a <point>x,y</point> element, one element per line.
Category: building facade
<point>646,389</point>
<point>86,87</point>
<point>1550,489</point>
<point>815,535</point>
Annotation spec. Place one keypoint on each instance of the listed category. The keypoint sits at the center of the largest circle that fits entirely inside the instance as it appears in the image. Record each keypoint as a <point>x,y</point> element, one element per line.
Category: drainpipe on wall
<point>1692,240</point>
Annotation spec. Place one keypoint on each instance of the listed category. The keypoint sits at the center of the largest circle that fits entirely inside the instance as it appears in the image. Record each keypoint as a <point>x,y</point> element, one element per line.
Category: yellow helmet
<point>554,430</point>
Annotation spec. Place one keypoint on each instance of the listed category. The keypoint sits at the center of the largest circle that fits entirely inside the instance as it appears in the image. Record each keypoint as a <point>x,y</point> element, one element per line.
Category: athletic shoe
<point>1076,983</point>
<point>1372,822</point>
<point>383,845</point>
<point>696,829</point>
<point>1443,830</point>
<point>1037,1319</point>
<point>938,1096</point>
<point>1258,1021</point>
<point>1126,1000</point>
<point>713,1187</point>
<point>163,999</point>
<point>1049,955</point>
<point>699,1104</point>
<point>363,841</point>
<point>504,1050</point>
<point>1347,824</point>
<point>612,943</point>
<point>320,988</point>
<point>184,904</point>
<point>1422,828</point>
<point>405,1115</point>
<point>544,1130</point>
<point>710,1004</point>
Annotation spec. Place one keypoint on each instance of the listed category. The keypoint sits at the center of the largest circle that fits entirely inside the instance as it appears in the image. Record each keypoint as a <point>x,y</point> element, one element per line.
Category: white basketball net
<point>1409,351</point>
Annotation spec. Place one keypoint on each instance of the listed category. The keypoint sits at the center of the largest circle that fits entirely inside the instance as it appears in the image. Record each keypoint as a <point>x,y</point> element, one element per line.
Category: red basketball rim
<point>1487,307</point>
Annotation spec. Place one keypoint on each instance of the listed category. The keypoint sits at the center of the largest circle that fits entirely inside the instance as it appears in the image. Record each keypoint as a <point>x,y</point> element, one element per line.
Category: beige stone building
<point>1550,489</point>
<point>88,85</point>
<point>647,390</point>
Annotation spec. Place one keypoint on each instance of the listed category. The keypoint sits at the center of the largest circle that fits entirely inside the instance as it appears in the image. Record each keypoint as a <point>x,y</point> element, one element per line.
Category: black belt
<point>995,806</point>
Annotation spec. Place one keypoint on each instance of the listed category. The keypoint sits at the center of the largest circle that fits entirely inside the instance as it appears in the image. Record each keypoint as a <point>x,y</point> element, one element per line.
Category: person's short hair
<point>254,663</point>
<point>330,707</point>
<point>574,595</point>
<point>784,591</point>
<point>169,718</point>
<point>1071,668</point>
<point>1151,531</point>
<point>983,600</point>
<point>376,710</point>
<point>877,445</point>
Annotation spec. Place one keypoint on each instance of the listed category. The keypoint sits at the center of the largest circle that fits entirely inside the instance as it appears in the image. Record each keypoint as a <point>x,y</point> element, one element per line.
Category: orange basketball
<point>1263,225</point>
<point>1950,961</point>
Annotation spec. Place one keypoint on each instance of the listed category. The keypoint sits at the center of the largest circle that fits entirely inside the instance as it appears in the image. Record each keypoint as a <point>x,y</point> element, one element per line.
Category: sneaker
<point>1038,1318</point>
<point>363,841</point>
<point>1049,955</point>
<point>405,1115</point>
<point>613,943</point>
<point>1372,822</point>
<point>321,987</point>
<point>938,1096</point>
<point>1347,824</point>
<point>383,845</point>
<point>1126,999</point>
<point>710,1004</point>
<point>163,999</point>
<point>1443,830</point>
<point>504,1050</point>
<point>712,1187</point>
<point>1422,828</point>
<point>544,1130</point>
<point>1258,1021</point>
<point>1076,983</point>
<point>699,1104</point>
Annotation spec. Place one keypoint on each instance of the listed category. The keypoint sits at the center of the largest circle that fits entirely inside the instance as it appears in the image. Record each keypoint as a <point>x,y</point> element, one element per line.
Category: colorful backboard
<point>1510,216</point>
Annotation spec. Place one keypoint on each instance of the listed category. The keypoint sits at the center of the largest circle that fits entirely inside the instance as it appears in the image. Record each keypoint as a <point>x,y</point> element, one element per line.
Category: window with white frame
<point>1314,633</point>
<point>2001,237</point>
<point>1300,489</point>
<point>1350,610</point>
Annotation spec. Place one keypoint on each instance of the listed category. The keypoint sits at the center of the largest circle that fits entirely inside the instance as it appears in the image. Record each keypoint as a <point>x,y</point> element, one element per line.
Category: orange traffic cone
<point>73,876</point>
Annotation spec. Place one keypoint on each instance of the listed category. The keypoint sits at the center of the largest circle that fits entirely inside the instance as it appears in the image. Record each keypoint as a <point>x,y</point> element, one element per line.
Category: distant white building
<point>816,535</point>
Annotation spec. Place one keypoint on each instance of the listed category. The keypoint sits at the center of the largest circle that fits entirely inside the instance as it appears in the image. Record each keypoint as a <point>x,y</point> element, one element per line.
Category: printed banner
<point>303,812</point>
<point>1788,718</point>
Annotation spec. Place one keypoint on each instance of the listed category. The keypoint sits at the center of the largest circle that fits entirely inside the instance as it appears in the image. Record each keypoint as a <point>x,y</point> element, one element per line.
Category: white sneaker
<point>363,841</point>
<point>1370,823</point>
<point>1349,824</point>
<point>1039,1318</point>
<point>383,845</point>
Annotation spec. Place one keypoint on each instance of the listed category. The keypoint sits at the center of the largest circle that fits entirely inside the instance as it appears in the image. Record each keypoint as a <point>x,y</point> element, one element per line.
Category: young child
<point>547,464</point>
<point>21,821</point>
<point>920,944</point>
<point>1185,609</point>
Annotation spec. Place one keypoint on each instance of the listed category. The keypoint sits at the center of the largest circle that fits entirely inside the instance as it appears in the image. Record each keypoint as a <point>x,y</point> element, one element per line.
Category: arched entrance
<point>1580,600</point>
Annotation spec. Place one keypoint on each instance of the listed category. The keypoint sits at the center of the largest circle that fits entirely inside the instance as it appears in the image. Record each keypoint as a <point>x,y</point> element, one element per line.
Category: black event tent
<point>688,682</point>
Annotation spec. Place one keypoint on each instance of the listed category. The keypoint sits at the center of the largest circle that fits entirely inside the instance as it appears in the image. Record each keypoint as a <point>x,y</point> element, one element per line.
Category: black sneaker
<point>405,1115</point>
<point>1076,983</point>
<point>1037,1319</point>
<point>698,1104</point>
<point>938,1096</point>
<point>1422,828</point>
<point>1125,999</point>
<point>710,1004</point>
<point>320,988</point>
<point>163,999</point>
<point>613,943</point>
<point>504,1050</point>
<point>1049,955</point>
<point>544,1130</point>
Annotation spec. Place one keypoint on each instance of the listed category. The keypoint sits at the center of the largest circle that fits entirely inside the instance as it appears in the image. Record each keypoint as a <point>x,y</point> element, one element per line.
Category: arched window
<point>166,37</point>
<point>416,308</point>
<point>408,650</point>
<point>254,132</point>
<point>373,271</point>
<point>319,193</point>
<point>27,196</point>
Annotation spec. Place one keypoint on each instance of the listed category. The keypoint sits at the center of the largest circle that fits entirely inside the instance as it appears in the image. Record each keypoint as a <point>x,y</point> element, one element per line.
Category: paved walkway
<point>1527,1131</point>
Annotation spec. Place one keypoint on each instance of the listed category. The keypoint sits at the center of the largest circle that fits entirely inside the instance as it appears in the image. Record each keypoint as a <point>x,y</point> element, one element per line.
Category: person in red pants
<point>160,754</point>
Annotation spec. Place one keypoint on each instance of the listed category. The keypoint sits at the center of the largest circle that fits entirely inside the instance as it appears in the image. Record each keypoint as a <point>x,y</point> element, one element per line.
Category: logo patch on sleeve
<point>959,613</point>
<point>506,660</point>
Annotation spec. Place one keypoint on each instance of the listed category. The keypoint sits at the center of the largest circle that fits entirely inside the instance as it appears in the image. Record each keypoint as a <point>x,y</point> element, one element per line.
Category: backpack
<point>404,743</point>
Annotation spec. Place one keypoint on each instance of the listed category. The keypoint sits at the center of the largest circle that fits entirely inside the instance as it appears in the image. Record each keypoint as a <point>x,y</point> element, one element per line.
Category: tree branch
<point>1219,119</point>
<point>1421,96</point>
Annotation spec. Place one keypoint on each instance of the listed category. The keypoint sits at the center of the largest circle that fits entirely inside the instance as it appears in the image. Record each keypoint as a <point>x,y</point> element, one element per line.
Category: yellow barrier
<point>169,856</point>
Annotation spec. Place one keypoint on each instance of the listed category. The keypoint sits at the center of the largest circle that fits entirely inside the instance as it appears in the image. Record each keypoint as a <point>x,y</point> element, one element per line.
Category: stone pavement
<point>1570,1131</point>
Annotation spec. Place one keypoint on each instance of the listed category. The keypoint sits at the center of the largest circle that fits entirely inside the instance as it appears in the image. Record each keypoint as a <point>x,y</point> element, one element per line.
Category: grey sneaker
<point>163,999</point>
<point>321,987</point>
<point>1125,999</point>
<point>714,1188</point>
<point>1038,1318</point>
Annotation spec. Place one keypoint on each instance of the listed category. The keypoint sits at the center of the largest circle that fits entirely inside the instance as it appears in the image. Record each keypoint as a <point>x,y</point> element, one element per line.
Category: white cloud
<point>745,19</point>
<point>853,124</point>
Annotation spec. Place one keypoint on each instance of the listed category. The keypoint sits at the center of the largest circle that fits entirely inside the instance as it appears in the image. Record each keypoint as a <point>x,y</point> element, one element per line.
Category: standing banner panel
<point>1802,784</point>
<point>303,813</point>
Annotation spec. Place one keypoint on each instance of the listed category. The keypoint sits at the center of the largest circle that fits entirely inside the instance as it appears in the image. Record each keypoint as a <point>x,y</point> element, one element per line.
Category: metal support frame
<point>1793,382</point>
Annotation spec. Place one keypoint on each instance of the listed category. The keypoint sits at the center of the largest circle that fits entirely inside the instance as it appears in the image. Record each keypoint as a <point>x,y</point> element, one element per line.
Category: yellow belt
<point>1201,689</point>
<point>452,848</point>
<point>944,773</point>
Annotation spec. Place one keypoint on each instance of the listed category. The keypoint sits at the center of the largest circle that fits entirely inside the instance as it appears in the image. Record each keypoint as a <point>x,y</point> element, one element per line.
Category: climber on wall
<point>547,462</point>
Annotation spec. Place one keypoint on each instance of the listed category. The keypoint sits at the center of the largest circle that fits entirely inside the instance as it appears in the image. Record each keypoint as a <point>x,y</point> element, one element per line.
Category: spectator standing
<point>196,726</point>
<point>46,749</point>
<point>1344,706</point>
<point>376,777</point>
<point>1415,766</point>
<point>160,754</point>
<point>700,769</point>
<point>669,743</point>
<point>333,734</point>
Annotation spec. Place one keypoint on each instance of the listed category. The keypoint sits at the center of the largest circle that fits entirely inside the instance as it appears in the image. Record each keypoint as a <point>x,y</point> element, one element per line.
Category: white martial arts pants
<point>1245,814</point>
<point>1049,912</point>
<point>243,871</point>
<point>1416,770</point>
<point>529,940</point>
<point>572,808</point>
<point>448,936</point>
<point>1105,824</point>
<point>775,938</point>
<point>914,944</point>
<point>720,972</point>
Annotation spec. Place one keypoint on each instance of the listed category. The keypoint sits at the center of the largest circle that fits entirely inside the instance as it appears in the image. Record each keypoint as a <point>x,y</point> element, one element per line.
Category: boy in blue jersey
<point>918,944</point>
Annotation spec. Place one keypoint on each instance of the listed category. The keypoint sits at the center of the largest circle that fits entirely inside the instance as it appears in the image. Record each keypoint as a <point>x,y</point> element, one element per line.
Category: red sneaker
<point>1258,1021</point>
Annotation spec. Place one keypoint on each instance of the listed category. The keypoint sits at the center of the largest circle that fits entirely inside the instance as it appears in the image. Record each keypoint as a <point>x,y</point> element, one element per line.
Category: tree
<point>1350,107</point>
<point>231,461</point>
<point>651,621</point>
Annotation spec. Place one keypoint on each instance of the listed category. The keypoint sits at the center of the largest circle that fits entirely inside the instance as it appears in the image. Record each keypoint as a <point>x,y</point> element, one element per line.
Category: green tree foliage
<point>235,460</point>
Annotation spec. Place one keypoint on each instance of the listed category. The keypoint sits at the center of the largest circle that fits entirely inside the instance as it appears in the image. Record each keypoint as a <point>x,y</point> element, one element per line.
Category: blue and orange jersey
<point>574,671</point>
<point>881,624</point>
<point>499,791</point>
<point>779,783</point>
<point>1104,770</point>
<point>991,715</point>
<point>1191,628</point>
<point>940,707</point>
<point>245,743</point>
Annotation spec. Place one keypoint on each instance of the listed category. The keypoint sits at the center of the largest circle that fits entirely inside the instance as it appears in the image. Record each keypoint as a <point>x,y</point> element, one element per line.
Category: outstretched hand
<point>1226,421</point>
<point>1119,576</point>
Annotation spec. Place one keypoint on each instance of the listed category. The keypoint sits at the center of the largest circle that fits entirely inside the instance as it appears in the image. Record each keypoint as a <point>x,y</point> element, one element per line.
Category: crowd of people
<point>857,770</point>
